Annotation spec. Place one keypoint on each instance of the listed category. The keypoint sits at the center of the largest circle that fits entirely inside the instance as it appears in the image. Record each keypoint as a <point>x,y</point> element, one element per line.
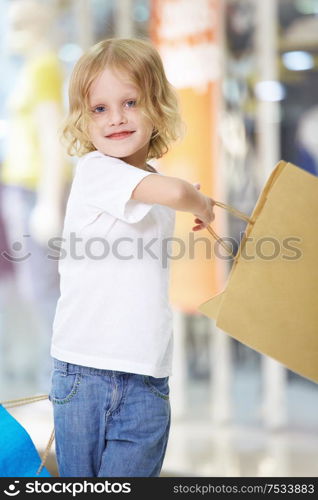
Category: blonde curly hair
<point>157,97</point>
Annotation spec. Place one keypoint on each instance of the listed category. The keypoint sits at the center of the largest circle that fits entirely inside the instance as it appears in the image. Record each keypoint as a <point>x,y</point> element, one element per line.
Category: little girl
<point>112,333</point>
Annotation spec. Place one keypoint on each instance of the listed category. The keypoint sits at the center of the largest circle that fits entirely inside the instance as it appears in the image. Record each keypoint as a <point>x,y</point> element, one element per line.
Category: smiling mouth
<point>120,135</point>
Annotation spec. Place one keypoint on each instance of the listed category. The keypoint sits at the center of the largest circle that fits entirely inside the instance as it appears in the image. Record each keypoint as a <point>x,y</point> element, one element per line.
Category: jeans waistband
<point>71,368</point>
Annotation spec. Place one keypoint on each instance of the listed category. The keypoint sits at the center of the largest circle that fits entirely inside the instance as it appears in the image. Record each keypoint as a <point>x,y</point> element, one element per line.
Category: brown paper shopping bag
<point>270,302</point>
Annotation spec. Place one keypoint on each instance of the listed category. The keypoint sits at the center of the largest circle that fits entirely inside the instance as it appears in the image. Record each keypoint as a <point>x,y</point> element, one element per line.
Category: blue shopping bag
<point>18,455</point>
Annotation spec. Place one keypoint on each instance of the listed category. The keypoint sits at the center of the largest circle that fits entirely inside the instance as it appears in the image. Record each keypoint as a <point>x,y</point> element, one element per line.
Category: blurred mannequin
<point>34,182</point>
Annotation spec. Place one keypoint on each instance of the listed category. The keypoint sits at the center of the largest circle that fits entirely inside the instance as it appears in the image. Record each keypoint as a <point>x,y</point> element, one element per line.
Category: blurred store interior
<point>247,75</point>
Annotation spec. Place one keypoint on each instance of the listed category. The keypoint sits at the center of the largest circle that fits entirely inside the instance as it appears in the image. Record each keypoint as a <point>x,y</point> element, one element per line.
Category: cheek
<point>147,128</point>
<point>145,123</point>
<point>93,129</point>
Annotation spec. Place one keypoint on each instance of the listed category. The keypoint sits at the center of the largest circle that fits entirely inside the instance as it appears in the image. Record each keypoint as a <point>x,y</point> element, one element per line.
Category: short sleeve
<point>107,183</point>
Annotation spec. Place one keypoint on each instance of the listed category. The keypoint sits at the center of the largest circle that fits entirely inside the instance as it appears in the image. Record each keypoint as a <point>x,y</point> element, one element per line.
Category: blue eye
<point>131,103</point>
<point>99,109</point>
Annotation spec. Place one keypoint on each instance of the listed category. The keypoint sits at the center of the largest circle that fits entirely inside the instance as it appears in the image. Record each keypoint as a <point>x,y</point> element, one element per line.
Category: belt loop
<point>64,368</point>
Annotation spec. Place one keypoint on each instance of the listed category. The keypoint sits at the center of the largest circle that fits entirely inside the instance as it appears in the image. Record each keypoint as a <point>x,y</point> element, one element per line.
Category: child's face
<point>113,111</point>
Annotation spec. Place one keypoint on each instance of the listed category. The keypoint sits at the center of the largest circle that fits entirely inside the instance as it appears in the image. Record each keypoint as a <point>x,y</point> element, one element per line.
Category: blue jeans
<point>109,423</point>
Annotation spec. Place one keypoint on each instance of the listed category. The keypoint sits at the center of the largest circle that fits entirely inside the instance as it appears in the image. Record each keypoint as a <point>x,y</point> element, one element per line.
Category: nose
<point>117,117</point>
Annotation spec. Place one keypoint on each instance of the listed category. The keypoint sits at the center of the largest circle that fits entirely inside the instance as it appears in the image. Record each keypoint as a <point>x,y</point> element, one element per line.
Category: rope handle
<point>46,452</point>
<point>24,401</point>
<point>236,213</point>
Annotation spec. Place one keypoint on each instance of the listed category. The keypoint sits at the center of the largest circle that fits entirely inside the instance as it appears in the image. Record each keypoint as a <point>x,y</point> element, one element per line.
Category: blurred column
<point>222,378</point>
<point>178,381</point>
<point>268,108</point>
<point>84,23</point>
<point>268,136</point>
<point>220,343</point>
<point>124,23</point>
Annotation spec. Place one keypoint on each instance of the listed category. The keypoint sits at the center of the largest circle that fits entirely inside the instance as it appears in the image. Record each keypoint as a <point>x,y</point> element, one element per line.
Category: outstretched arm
<point>177,194</point>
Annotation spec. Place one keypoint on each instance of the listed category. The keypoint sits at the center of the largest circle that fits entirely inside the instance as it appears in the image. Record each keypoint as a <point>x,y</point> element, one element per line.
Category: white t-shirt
<point>113,312</point>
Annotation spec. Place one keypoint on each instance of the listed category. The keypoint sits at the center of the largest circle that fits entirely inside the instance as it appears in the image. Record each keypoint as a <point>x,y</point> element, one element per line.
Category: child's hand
<point>204,219</point>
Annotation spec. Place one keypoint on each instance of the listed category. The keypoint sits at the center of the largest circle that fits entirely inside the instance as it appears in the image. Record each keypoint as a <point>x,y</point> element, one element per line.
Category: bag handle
<point>24,401</point>
<point>236,213</point>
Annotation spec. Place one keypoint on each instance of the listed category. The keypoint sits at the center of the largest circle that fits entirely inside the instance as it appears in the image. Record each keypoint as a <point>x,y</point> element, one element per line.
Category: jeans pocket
<point>64,386</point>
<point>158,386</point>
